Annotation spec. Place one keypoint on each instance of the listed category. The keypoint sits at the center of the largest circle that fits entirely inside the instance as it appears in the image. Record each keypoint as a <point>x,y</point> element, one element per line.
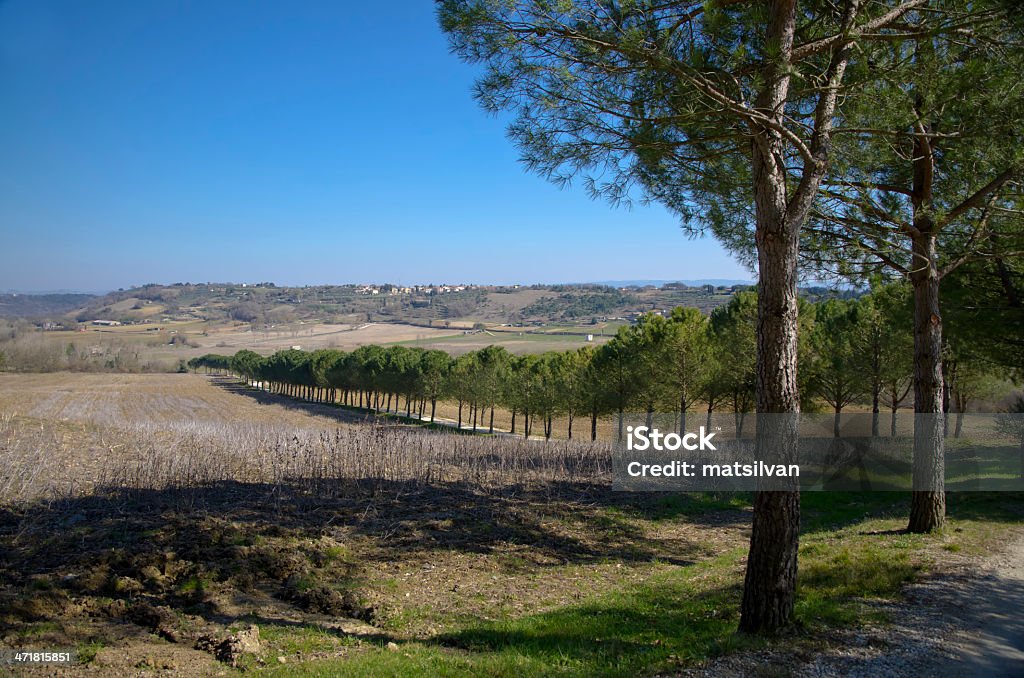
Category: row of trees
<point>851,351</point>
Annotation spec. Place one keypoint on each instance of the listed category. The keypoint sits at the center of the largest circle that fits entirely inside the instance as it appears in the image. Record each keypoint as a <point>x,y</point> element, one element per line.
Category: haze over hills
<point>660,283</point>
<point>639,282</point>
<point>267,303</point>
<point>17,305</point>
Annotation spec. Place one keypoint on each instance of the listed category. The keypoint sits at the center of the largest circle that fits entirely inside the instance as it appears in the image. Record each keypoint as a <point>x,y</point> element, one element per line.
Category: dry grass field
<point>501,306</point>
<point>311,337</point>
<point>156,347</point>
<point>180,525</point>
<point>119,400</point>
<point>518,343</point>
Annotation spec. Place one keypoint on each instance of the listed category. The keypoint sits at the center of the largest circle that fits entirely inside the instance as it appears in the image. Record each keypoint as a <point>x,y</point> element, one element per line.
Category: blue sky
<point>294,142</point>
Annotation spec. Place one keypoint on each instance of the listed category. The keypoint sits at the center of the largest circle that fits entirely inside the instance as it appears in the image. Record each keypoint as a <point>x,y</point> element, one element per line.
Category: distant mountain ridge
<point>32,305</point>
<point>268,305</point>
<point>660,283</point>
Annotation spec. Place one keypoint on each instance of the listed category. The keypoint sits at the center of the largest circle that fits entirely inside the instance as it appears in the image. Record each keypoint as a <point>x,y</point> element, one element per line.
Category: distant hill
<point>39,305</point>
<point>267,305</point>
<point>661,283</point>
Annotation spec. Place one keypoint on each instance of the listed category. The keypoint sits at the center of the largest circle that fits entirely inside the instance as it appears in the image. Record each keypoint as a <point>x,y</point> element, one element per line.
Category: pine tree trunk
<point>769,592</point>
<point>875,411</point>
<point>928,504</point>
<point>769,587</point>
<point>682,415</point>
<point>945,407</point>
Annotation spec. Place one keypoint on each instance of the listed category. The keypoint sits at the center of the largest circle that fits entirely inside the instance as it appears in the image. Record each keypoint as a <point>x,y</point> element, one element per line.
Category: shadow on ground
<point>331,411</point>
<point>186,564</point>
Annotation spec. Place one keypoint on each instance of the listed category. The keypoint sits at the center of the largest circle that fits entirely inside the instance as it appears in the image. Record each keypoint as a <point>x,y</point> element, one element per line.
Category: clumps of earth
<point>231,648</point>
<point>184,589</point>
<point>324,599</point>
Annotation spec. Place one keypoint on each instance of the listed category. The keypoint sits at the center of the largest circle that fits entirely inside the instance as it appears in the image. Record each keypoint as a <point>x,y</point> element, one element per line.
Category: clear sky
<point>294,142</point>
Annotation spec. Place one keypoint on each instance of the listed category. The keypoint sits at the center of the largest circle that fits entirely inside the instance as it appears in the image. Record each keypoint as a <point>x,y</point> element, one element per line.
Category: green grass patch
<point>39,628</point>
<point>853,551</point>
<point>677,617</point>
<point>304,639</point>
<point>691,504</point>
<point>86,652</point>
<point>194,588</point>
<point>837,576</point>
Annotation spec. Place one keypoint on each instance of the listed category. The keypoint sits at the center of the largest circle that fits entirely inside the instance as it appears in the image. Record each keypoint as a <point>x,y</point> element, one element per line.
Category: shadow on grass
<point>826,511</point>
<point>682,617</point>
<point>669,621</point>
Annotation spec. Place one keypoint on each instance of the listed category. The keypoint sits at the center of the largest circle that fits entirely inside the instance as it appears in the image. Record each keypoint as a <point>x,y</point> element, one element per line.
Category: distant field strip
<point>139,399</point>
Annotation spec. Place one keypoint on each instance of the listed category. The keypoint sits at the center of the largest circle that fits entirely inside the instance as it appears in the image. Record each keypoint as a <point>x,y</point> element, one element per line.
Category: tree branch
<point>826,43</point>
<point>976,199</point>
<point>890,188</point>
<point>969,249</point>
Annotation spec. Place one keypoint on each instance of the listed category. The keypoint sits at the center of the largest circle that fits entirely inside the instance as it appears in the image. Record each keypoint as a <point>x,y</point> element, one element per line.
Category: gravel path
<point>992,642</point>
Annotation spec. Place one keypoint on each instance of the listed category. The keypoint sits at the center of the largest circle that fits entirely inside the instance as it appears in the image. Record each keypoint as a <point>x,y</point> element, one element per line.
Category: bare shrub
<point>33,353</point>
